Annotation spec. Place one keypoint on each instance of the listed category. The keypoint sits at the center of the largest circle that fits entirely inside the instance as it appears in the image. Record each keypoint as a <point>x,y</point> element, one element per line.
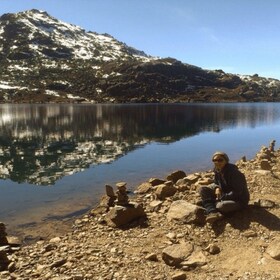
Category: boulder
<point>176,175</point>
<point>265,165</point>
<point>183,184</point>
<point>144,188</point>
<point>192,178</point>
<point>165,190</point>
<point>175,254</point>
<point>185,212</point>
<point>122,215</point>
<point>156,181</point>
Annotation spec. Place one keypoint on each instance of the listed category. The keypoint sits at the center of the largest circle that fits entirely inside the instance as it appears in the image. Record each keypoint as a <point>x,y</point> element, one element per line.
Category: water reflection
<point>42,143</point>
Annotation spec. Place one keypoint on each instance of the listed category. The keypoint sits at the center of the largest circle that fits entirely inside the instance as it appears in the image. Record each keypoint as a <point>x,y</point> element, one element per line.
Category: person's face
<point>219,162</point>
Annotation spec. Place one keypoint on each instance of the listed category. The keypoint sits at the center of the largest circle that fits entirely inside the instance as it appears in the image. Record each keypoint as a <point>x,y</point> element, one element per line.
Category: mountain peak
<point>43,59</point>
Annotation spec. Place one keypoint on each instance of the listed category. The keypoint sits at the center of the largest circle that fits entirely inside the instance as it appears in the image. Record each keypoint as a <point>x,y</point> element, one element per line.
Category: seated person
<point>228,193</point>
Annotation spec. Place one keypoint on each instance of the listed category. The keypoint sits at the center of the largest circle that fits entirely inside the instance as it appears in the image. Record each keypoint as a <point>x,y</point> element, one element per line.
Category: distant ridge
<point>43,59</point>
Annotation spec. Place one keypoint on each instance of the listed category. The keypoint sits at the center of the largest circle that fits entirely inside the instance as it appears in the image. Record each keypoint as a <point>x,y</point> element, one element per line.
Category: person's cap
<point>221,154</point>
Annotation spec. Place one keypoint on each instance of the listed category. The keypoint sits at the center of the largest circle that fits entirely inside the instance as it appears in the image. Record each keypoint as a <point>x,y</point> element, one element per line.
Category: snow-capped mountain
<point>43,59</point>
<point>47,37</point>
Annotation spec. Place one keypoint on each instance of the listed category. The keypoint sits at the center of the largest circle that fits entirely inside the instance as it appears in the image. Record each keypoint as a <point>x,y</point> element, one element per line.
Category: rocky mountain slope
<point>167,245</point>
<point>45,60</point>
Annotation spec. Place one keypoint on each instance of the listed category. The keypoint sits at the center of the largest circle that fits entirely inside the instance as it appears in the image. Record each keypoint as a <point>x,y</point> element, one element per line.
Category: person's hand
<point>218,193</point>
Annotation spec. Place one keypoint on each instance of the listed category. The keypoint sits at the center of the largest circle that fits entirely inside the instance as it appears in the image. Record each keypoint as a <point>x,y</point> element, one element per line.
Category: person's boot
<point>213,217</point>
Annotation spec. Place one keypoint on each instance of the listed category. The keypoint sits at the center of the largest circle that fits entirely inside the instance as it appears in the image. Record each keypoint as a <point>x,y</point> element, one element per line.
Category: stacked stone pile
<point>169,239</point>
<point>3,235</point>
<point>4,261</point>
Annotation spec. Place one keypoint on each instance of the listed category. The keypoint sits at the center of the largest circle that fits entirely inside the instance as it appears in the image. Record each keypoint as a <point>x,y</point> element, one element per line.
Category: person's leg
<point>228,206</point>
<point>207,195</point>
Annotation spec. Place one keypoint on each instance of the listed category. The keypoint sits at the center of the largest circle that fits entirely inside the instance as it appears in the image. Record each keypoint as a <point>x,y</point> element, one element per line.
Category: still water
<point>56,159</point>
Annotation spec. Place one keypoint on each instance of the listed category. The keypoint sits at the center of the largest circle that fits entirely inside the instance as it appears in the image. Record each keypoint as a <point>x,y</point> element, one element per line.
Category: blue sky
<point>237,36</point>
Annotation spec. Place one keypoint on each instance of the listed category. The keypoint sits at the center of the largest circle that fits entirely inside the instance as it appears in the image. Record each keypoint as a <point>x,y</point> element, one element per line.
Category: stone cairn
<point>120,198</point>
<point>266,155</point>
<point>272,146</point>
<point>111,196</point>
<point>120,211</point>
<point>3,235</point>
<point>4,261</point>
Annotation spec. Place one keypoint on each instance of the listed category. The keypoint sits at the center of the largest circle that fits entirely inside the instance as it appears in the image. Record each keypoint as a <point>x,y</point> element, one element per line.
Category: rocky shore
<point>160,233</point>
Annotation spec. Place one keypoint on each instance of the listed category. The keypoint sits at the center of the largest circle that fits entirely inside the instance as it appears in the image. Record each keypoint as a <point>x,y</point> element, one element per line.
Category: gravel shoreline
<point>243,246</point>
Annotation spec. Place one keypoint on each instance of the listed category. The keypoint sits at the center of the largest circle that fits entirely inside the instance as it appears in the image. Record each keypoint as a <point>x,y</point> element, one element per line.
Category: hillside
<point>46,60</point>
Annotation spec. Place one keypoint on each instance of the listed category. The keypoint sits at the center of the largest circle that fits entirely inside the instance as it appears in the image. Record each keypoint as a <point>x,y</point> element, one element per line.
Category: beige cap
<point>221,154</point>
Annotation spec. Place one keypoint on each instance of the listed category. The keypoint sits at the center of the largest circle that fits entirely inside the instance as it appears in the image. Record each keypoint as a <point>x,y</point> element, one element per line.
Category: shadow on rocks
<point>241,220</point>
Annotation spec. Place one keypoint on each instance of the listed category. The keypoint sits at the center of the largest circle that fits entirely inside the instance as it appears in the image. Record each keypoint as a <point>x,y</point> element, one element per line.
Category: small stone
<point>274,249</point>
<point>55,240</point>
<point>58,263</point>
<point>249,233</point>
<point>179,276</point>
<point>152,257</point>
<point>213,249</point>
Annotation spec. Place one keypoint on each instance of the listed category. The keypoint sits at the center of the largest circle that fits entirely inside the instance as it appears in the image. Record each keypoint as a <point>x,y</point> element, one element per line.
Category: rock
<point>110,191</point>
<point>176,175</point>
<point>50,247</point>
<point>152,257</point>
<point>109,199</point>
<point>265,165</point>
<point>123,215</point>
<point>177,253</point>
<point>55,240</point>
<point>144,188</point>
<point>171,235</point>
<point>3,235</point>
<point>263,172</point>
<point>14,241</point>
<point>179,276</point>
<point>58,263</point>
<point>4,261</point>
<point>122,197</point>
<point>197,258</point>
<point>183,184</point>
<point>185,212</point>
<point>156,181</point>
<point>204,181</point>
<point>264,203</point>
<point>213,249</point>
<point>98,210</point>
<point>165,190</point>
<point>121,184</point>
<point>271,146</point>
<point>12,267</point>
<point>192,178</point>
<point>274,249</point>
<point>249,233</point>
<point>155,205</point>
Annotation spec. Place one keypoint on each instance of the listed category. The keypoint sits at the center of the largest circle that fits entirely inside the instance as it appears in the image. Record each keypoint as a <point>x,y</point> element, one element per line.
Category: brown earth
<point>93,250</point>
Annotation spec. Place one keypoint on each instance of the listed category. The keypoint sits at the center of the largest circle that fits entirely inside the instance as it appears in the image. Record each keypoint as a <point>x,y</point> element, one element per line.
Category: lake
<point>57,158</point>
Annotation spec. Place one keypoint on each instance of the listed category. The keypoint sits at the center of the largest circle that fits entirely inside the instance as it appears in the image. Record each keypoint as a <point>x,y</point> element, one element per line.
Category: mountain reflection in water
<point>41,143</point>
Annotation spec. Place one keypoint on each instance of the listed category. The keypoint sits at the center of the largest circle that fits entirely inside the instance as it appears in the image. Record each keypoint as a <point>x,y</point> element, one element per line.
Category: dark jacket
<point>233,184</point>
